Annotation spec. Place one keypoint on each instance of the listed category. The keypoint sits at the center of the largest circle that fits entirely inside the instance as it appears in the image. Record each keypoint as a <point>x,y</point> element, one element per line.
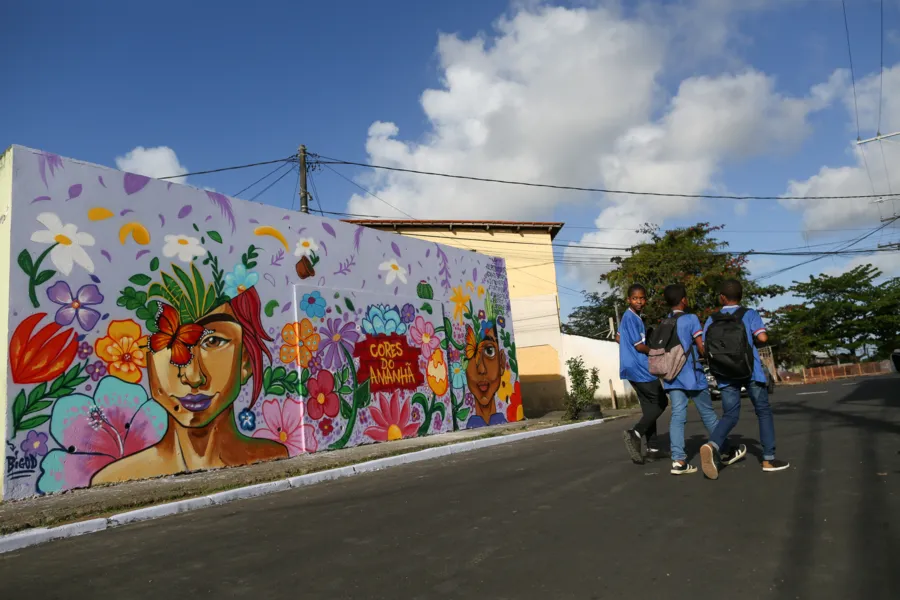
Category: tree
<point>690,256</point>
<point>847,314</point>
<point>592,318</point>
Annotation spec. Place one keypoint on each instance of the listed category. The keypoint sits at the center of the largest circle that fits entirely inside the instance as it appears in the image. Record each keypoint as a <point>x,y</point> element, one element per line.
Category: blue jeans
<point>680,400</point>
<point>731,412</point>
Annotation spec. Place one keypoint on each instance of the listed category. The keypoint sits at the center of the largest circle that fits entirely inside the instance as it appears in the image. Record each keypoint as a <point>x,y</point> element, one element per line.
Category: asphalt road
<point>562,516</point>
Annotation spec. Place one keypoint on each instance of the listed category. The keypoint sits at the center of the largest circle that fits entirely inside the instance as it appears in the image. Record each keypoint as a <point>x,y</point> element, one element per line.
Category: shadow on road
<point>883,389</point>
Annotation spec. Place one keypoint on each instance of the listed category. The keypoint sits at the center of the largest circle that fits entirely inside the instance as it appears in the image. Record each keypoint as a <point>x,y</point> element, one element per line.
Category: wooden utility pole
<point>304,195</point>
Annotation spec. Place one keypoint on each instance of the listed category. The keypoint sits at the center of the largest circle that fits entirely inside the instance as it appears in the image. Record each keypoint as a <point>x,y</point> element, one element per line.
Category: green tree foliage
<point>690,256</point>
<point>847,314</point>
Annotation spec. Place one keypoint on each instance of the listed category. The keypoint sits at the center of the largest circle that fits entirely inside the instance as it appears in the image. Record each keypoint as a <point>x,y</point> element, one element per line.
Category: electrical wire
<point>331,161</point>
<point>312,183</point>
<point>881,82</point>
<point>371,193</point>
<point>266,176</point>
<point>296,191</point>
<point>852,76</point>
<point>267,162</point>
<point>265,189</point>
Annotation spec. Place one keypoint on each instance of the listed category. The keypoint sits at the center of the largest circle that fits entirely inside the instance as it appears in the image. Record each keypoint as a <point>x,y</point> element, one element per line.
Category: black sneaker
<point>733,455</point>
<point>656,453</point>
<point>633,445</point>
<point>770,466</point>
<point>709,461</point>
<point>682,468</point>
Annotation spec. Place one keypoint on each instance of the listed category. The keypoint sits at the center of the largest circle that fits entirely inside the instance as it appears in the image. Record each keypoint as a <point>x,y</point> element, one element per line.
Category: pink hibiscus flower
<point>392,419</point>
<point>284,424</point>
<point>322,399</point>
<point>422,334</point>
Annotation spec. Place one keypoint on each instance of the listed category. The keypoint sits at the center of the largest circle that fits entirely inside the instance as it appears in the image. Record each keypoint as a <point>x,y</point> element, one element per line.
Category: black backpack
<point>667,356</point>
<point>728,351</point>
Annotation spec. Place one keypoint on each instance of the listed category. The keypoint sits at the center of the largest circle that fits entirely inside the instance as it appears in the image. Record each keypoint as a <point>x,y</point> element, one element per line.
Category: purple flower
<point>76,307</point>
<point>337,337</point>
<point>84,350</point>
<point>35,444</point>
<point>454,354</point>
<point>408,313</point>
<point>96,370</point>
<point>315,365</point>
<point>481,315</point>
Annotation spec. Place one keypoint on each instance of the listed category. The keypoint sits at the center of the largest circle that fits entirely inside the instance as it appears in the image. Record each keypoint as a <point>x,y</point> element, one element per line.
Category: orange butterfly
<point>178,338</point>
<point>471,343</point>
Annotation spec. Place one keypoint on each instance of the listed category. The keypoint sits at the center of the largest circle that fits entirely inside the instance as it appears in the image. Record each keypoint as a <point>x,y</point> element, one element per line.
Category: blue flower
<point>239,281</point>
<point>313,304</point>
<point>485,326</point>
<point>501,321</point>
<point>457,375</point>
<point>382,319</point>
<point>408,313</point>
<point>247,419</point>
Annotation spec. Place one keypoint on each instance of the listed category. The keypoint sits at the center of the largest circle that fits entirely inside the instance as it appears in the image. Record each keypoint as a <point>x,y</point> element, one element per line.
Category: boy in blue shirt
<point>690,384</point>
<point>730,296</point>
<point>633,367</point>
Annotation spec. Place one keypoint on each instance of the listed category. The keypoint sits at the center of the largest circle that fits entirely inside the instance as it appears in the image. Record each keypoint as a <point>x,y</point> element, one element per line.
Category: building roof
<point>550,227</point>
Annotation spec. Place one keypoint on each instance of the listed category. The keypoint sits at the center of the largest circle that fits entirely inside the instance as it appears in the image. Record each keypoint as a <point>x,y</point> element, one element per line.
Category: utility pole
<point>617,315</point>
<point>304,195</point>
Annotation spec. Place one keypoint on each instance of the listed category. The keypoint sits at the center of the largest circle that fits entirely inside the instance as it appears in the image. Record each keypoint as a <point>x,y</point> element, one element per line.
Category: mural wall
<point>156,328</point>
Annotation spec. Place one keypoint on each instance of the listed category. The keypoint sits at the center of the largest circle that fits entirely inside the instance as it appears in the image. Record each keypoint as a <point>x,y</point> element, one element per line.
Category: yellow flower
<point>506,389</point>
<point>480,291</point>
<point>470,286</point>
<point>459,300</point>
<point>436,373</point>
<point>123,350</point>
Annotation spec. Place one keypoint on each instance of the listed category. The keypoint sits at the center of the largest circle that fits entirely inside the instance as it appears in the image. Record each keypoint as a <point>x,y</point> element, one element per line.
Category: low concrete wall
<point>542,394</point>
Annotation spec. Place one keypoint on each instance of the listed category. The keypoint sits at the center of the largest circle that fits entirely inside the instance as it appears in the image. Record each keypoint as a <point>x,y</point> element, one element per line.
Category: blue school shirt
<point>691,376</point>
<point>633,365</point>
<point>754,325</point>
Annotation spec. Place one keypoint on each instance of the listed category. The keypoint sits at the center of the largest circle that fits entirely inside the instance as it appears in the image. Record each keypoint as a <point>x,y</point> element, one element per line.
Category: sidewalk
<point>110,499</point>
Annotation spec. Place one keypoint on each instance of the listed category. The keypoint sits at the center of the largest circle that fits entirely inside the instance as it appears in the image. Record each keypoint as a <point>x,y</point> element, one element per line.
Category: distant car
<point>895,358</point>
<point>714,386</point>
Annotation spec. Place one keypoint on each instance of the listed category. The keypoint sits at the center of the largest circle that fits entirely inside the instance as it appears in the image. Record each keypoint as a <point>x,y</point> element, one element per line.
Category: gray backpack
<point>667,357</point>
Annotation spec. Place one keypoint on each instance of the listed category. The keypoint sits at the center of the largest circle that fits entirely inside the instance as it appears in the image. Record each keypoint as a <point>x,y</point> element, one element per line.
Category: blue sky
<point>518,90</point>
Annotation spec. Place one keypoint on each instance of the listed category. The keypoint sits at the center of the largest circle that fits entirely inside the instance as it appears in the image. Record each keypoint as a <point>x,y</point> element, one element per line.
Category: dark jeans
<point>653,401</point>
<point>731,412</point>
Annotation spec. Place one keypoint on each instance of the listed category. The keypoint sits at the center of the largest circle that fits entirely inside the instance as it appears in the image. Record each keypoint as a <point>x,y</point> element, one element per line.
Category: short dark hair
<point>674,294</point>
<point>634,288</point>
<point>732,290</point>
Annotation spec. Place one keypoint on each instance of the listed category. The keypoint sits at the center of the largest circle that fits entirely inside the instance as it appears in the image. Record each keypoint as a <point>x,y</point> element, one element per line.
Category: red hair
<point>247,307</point>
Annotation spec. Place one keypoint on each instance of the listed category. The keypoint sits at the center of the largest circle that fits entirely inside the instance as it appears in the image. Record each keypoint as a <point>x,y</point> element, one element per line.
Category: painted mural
<point>157,328</point>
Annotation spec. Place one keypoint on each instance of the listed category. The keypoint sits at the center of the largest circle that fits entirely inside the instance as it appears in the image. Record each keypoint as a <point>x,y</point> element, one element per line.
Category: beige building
<point>531,274</point>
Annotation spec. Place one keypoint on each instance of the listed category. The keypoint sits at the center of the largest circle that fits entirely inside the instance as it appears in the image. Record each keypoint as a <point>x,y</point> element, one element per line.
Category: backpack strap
<point>739,313</point>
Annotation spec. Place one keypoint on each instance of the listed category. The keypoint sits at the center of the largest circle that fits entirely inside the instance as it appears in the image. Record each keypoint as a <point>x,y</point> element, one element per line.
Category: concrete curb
<point>40,535</point>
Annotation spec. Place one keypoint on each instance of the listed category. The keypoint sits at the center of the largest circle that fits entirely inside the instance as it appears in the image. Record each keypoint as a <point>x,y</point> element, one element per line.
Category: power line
<point>312,183</point>
<point>881,83</point>
<point>267,162</point>
<point>852,77</point>
<point>331,161</point>
<point>265,189</point>
<point>371,193</point>
<point>296,191</point>
<point>266,176</point>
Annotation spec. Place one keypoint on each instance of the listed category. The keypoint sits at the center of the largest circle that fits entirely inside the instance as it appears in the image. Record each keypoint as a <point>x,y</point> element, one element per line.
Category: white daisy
<point>185,247</point>
<point>306,247</point>
<point>69,243</point>
<point>393,270</point>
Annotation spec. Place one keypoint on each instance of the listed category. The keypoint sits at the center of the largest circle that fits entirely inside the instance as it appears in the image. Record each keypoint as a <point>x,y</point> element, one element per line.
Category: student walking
<point>731,337</point>
<point>633,368</point>
<point>684,340</point>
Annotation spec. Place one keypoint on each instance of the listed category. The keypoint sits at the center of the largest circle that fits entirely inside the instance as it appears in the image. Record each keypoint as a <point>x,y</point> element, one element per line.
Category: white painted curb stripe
<point>39,535</point>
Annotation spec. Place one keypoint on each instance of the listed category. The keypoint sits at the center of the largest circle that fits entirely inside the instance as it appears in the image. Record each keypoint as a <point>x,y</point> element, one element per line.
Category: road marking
<point>846,384</point>
<point>812,393</point>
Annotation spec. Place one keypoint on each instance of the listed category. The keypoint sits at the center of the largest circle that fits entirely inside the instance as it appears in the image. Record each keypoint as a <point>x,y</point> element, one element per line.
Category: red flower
<point>392,419</point>
<point>515,412</point>
<point>322,399</point>
<point>41,357</point>
<point>326,427</point>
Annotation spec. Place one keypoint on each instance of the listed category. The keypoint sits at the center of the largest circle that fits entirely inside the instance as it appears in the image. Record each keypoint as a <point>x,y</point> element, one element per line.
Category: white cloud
<point>578,96</point>
<point>160,161</point>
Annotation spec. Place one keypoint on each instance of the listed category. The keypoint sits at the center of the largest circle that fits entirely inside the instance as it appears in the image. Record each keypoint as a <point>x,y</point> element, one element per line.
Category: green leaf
<point>462,414</point>
<point>361,395</point>
<point>194,225</point>
<point>279,373</point>
<point>140,279</point>
<point>346,409</point>
<point>267,378</point>
<point>214,236</point>
<point>349,304</point>
<point>33,422</point>
<point>132,304</point>
<point>444,343</point>
<point>202,240</point>
<point>190,290</point>
<point>345,389</point>
<point>154,263</point>
<point>44,276</point>
<point>293,376</point>
<point>25,262</point>
<point>37,394</point>
<point>303,391</point>
<point>338,309</point>
<point>38,406</point>
<point>122,301</point>
<point>143,314</point>
<point>304,375</point>
<point>439,407</point>
<point>19,406</point>
<point>211,299</point>
<point>427,308</point>
<point>277,390</point>
<point>271,305</point>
